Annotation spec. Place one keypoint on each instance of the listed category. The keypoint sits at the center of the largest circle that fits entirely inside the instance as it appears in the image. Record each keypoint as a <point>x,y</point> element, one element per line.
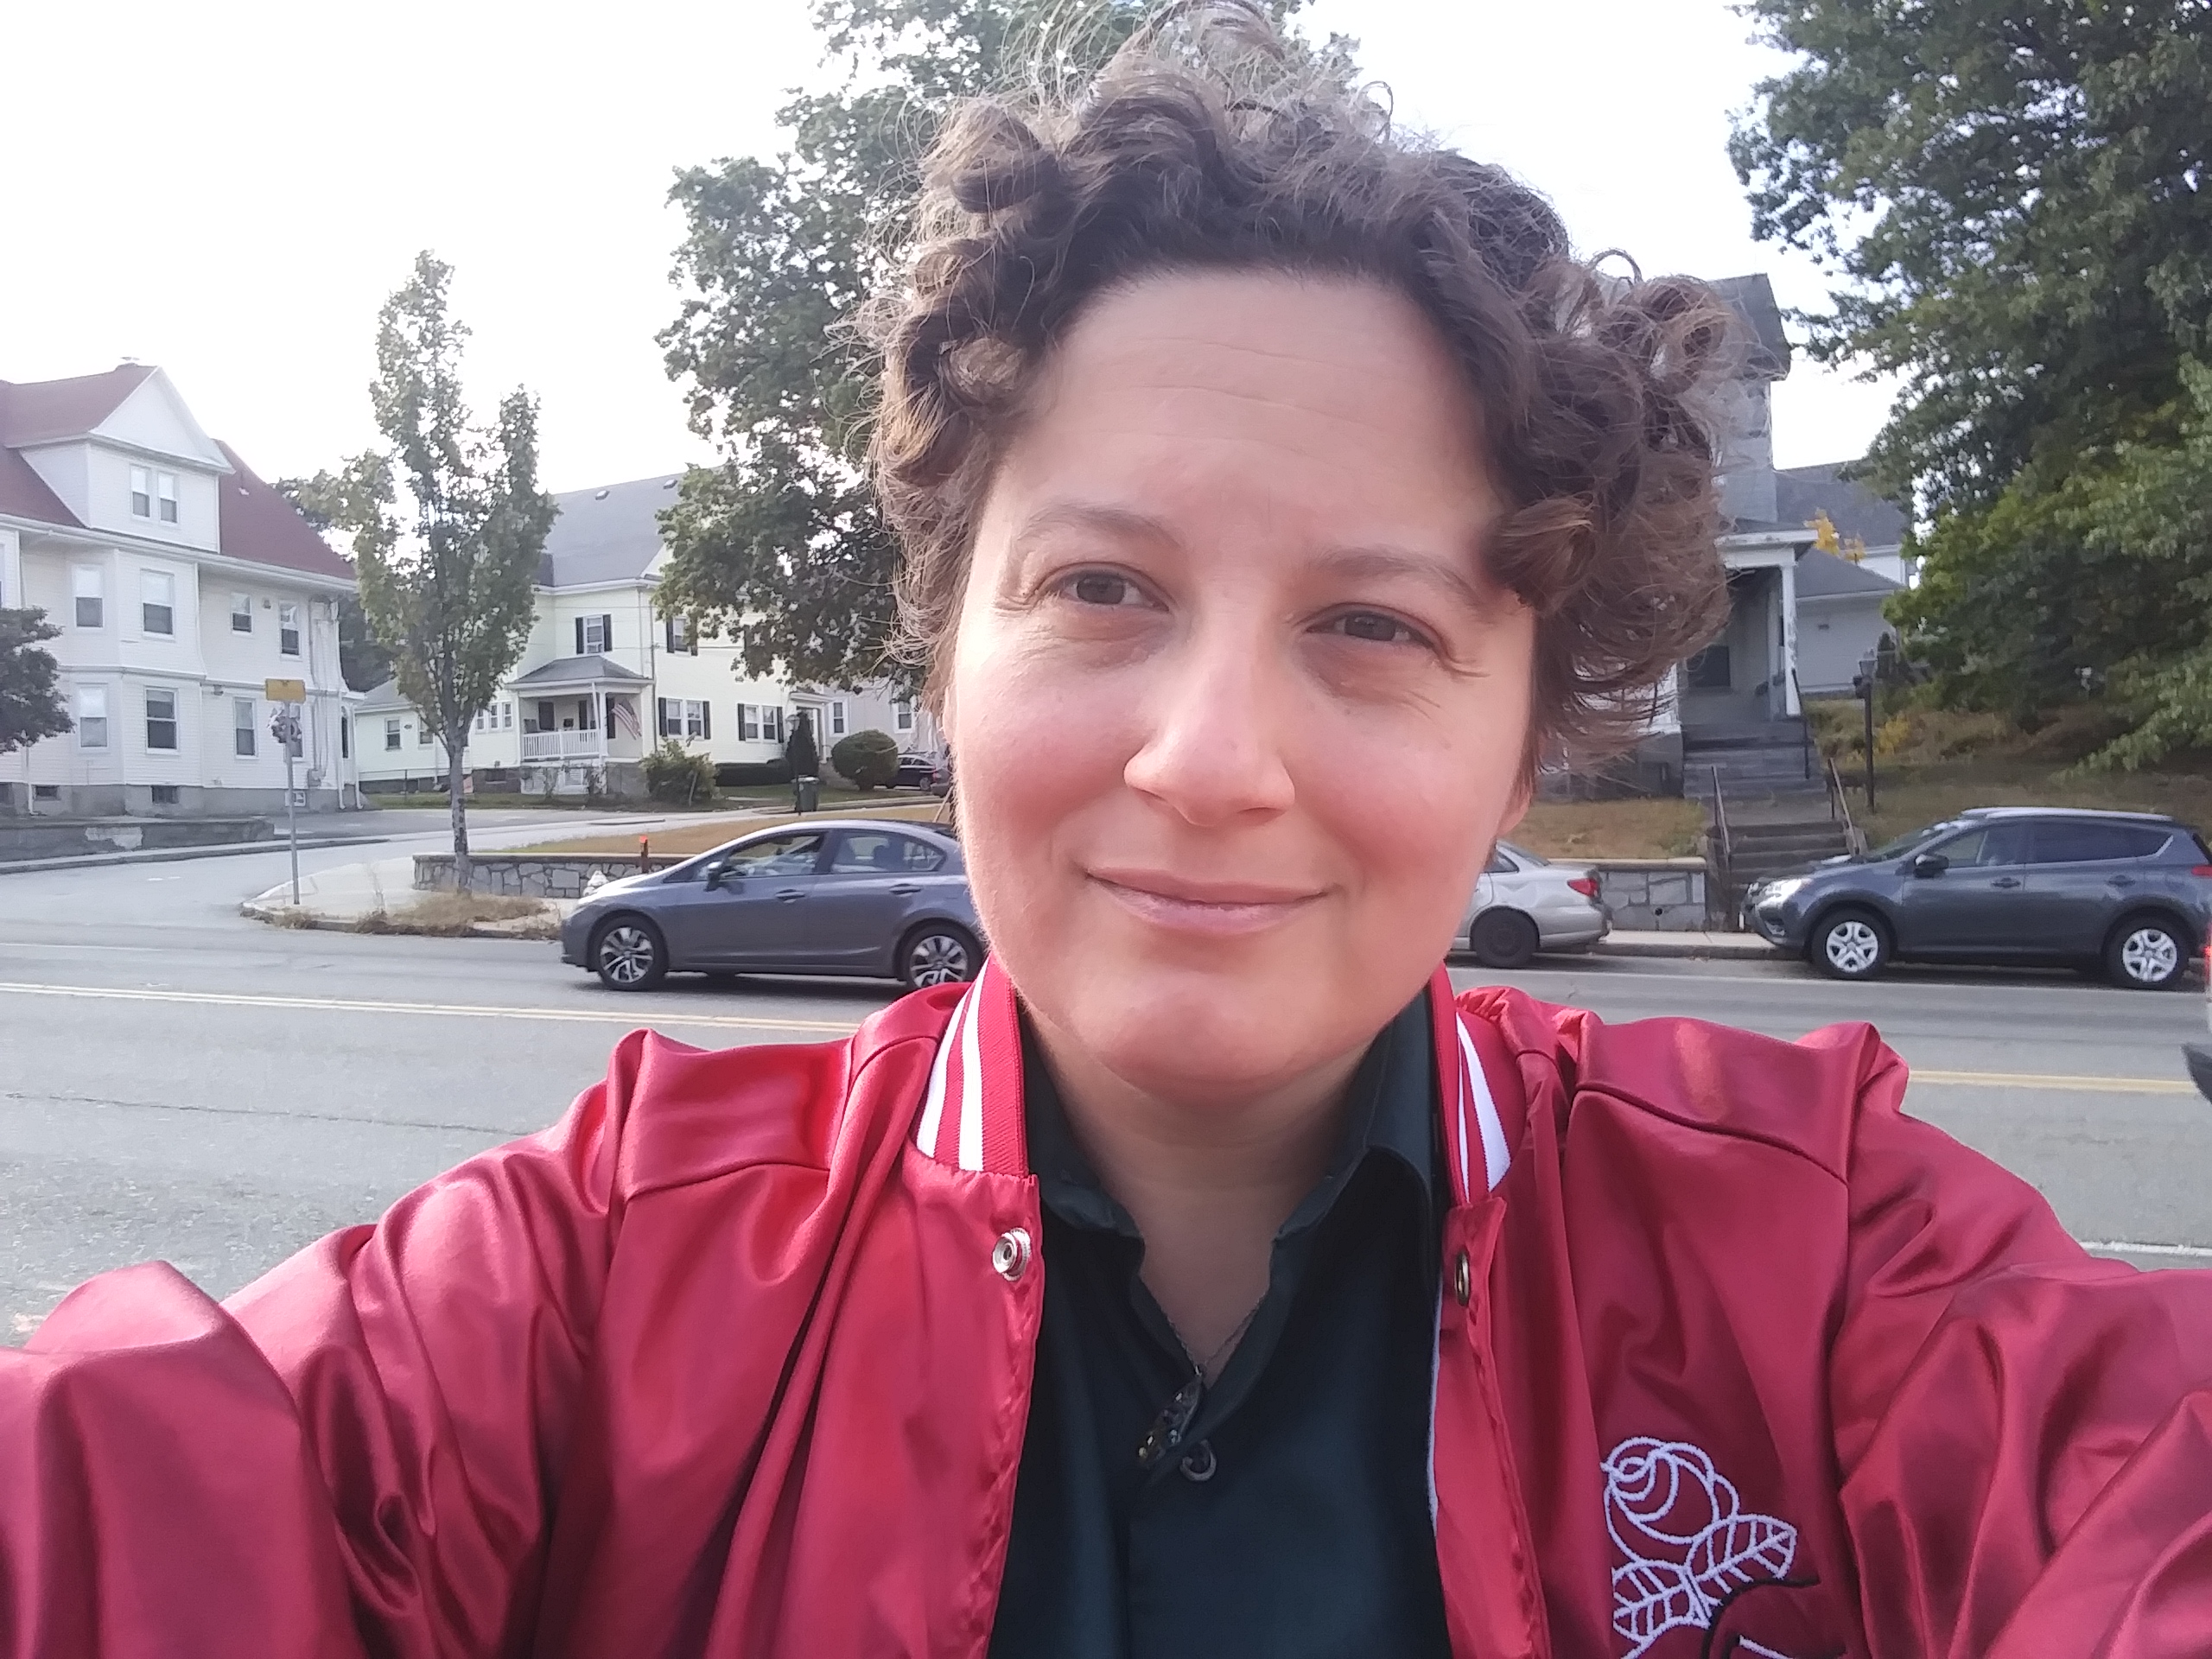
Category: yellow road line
<point>2049,1080</point>
<point>643,1013</point>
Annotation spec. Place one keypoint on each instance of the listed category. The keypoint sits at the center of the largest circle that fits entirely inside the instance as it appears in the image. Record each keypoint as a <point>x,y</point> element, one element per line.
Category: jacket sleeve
<point>2023,1431</point>
<point>352,1458</point>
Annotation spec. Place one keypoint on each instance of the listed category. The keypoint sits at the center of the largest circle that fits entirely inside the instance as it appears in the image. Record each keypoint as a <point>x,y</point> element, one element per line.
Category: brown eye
<point>1102,587</point>
<point>1374,627</point>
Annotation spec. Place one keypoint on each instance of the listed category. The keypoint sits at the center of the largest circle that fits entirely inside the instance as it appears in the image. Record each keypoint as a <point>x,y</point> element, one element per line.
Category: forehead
<point>1323,397</point>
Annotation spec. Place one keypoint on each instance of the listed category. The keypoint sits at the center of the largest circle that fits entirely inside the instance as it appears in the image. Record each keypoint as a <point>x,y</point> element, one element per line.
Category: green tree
<point>447,527</point>
<point>2012,194</point>
<point>325,501</point>
<point>866,759</point>
<point>800,753</point>
<point>30,703</point>
<point>781,545</point>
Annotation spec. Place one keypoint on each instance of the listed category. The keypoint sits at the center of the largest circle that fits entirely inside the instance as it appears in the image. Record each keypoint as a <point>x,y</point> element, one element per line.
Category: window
<point>478,725</point>
<point>1708,669</point>
<point>679,635</point>
<point>1501,863</point>
<point>241,733</point>
<point>506,717</point>
<point>392,734</point>
<point>421,734</point>
<point>791,855</point>
<point>92,716</point>
<point>142,493</point>
<point>157,602</point>
<point>161,720</point>
<point>875,852</point>
<point>91,590</point>
<point>1987,847</point>
<point>748,722</point>
<point>902,715</point>
<point>241,612</point>
<point>46,791</point>
<point>2061,841</point>
<point>697,722</point>
<point>594,635</point>
<point>771,723</point>
<point>164,794</point>
<point>288,629</point>
<point>838,718</point>
<point>165,496</point>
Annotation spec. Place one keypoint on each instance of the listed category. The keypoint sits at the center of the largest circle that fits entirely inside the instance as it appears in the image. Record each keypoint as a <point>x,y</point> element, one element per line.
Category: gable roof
<point>578,670</point>
<point>1800,492</point>
<point>1823,576</point>
<point>51,411</point>
<point>258,524</point>
<point>1768,346</point>
<point>608,534</point>
<point>26,495</point>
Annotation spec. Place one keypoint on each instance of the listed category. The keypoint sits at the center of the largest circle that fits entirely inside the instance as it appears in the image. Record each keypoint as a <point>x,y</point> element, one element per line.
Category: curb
<point>1709,947</point>
<point>178,854</point>
<point>254,910</point>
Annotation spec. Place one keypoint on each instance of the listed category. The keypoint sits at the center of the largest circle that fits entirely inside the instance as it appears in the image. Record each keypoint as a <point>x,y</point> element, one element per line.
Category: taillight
<point>2204,870</point>
<point>1587,885</point>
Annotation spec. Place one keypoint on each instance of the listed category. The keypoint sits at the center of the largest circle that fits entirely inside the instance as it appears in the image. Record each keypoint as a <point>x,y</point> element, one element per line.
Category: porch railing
<point>564,746</point>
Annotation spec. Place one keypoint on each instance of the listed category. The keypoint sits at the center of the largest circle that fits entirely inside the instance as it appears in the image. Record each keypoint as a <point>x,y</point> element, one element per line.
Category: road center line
<point>633,1017</point>
<point>2128,1247</point>
<point>2050,1080</point>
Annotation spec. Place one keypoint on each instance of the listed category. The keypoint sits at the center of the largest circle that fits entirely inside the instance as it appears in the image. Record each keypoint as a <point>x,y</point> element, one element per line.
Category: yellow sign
<point>284,690</point>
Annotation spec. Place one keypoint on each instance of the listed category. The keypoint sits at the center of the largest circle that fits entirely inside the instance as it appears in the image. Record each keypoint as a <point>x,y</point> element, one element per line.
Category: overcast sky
<point>230,190</point>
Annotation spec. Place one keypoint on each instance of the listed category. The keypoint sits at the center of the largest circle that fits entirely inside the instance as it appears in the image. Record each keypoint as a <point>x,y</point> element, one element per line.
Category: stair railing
<point>1804,723</point>
<point>1724,856</point>
<point>1854,838</point>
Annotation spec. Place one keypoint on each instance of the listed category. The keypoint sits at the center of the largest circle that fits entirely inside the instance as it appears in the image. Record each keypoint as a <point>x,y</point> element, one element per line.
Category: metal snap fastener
<point>1010,1256</point>
<point>1463,1279</point>
<point>1198,1467</point>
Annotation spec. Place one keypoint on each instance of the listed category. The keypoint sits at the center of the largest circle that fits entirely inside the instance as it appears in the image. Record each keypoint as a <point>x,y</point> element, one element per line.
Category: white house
<point>606,676</point>
<point>180,582</point>
<point>1869,530</point>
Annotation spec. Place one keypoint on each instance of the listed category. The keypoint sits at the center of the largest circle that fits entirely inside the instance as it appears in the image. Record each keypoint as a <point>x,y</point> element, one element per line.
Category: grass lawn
<point>1661,828</point>
<point>686,839</point>
<point>769,794</point>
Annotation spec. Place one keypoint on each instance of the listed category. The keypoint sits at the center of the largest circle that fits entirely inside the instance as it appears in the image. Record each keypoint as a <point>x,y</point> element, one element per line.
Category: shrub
<point>741,774</point>
<point>801,757</point>
<point>866,759</point>
<point>673,773</point>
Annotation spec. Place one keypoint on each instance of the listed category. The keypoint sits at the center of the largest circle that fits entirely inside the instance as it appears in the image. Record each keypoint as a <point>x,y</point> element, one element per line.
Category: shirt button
<point>1010,1256</point>
<point>1198,1467</point>
<point>1463,1279</point>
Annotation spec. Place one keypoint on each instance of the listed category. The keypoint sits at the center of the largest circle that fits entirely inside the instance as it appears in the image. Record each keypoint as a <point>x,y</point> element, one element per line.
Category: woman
<point>1205,1278</point>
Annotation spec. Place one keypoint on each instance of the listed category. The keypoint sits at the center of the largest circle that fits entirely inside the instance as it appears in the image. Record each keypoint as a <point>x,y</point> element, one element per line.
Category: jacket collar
<point>971,1112</point>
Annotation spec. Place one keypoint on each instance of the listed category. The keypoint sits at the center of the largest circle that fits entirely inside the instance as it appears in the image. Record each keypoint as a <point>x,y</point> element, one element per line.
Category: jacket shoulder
<point>1804,1097</point>
<point>676,1114</point>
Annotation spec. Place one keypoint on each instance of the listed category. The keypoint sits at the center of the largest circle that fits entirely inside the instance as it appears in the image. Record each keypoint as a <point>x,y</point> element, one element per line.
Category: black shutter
<point>661,715</point>
<point>706,720</point>
<point>668,634</point>
<point>580,636</point>
<point>606,633</point>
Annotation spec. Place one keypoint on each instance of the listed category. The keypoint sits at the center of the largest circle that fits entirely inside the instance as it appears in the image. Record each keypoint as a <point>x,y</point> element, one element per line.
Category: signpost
<point>287,695</point>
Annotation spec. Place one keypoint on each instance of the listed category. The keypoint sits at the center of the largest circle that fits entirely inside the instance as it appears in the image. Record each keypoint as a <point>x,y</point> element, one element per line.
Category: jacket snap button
<point>1010,1256</point>
<point>1198,1467</point>
<point>1463,1279</point>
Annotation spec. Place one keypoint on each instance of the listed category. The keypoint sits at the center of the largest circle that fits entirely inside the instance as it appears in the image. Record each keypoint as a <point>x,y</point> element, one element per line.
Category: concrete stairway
<point>1768,838</point>
<point>1759,763</point>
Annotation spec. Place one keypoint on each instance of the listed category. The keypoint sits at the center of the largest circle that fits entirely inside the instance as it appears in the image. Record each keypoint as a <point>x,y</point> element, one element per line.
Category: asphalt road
<point>177,1082</point>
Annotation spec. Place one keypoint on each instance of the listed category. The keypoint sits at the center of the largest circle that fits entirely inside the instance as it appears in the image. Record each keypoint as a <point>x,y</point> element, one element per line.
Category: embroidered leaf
<point>1741,1550</point>
<point>1650,1598</point>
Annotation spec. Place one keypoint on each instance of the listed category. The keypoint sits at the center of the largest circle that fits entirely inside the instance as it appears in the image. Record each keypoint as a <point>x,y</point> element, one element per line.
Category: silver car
<point>869,898</point>
<point>1524,903</point>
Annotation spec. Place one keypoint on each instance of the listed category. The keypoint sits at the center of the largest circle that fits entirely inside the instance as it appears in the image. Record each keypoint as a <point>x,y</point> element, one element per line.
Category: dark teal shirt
<point>1285,1511</point>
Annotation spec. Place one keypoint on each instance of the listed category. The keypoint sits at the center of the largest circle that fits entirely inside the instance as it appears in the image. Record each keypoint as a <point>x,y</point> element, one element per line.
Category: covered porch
<point>1748,676</point>
<point>581,712</point>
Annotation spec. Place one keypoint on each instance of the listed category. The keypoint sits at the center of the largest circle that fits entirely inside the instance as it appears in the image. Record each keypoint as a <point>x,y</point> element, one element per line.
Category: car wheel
<point>2146,953</point>
<point>1503,938</point>
<point>938,953</point>
<point>628,954</point>
<point>1850,945</point>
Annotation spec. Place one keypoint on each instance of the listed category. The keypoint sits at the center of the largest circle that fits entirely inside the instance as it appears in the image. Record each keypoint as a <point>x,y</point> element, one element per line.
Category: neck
<point>1209,1187</point>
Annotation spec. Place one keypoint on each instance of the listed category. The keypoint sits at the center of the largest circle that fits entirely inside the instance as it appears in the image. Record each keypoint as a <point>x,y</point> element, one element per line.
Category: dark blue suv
<point>2130,893</point>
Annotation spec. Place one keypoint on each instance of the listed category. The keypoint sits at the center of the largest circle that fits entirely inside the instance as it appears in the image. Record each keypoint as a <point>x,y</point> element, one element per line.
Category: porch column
<point>1789,703</point>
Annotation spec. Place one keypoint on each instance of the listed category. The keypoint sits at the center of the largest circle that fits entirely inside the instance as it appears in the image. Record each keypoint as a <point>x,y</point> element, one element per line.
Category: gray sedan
<point>866,898</point>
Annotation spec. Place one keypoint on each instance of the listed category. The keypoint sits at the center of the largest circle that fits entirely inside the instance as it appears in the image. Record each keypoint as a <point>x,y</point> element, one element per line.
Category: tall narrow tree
<point>448,526</point>
<point>30,706</point>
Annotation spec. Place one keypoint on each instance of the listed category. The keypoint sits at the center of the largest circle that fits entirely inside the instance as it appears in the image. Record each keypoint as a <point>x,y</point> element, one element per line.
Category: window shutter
<point>606,632</point>
<point>706,720</point>
<point>668,634</point>
<point>580,636</point>
<point>660,706</point>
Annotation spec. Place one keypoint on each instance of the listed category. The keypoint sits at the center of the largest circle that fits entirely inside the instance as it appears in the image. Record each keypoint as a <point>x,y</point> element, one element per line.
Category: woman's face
<point>1238,713</point>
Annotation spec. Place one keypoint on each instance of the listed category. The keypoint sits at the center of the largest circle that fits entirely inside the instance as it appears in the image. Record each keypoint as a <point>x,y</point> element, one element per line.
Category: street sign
<point>284,690</point>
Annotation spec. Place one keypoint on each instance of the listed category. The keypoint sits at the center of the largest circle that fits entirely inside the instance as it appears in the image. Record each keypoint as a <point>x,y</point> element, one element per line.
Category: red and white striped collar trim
<point>971,1113</point>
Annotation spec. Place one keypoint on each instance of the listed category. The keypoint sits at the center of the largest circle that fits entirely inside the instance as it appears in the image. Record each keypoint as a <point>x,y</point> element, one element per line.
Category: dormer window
<point>142,492</point>
<point>165,497</point>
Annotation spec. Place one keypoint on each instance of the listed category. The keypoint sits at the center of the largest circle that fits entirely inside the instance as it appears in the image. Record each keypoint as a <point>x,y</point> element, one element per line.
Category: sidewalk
<point>176,854</point>
<point>1628,943</point>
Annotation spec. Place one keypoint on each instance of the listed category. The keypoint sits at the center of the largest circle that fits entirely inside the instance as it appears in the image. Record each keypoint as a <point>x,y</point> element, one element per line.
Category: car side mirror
<point>1931,864</point>
<point>715,874</point>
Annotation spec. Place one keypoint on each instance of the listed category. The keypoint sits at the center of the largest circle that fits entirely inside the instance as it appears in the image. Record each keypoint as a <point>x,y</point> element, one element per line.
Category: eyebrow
<point>1382,560</point>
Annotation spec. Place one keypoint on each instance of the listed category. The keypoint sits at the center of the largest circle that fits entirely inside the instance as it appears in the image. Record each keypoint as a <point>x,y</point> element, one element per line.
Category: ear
<point>1516,807</point>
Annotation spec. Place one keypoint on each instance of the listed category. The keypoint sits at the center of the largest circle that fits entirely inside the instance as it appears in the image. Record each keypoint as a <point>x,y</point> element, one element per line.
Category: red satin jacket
<point>1732,1358</point>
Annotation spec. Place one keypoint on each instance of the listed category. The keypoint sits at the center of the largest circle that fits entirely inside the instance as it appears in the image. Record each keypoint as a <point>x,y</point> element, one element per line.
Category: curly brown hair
<point>1591,390</point>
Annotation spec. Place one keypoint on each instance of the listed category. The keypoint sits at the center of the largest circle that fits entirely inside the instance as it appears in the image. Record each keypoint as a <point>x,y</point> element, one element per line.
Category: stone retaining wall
<point>522,876</point>
<point>41,837</point>
<point>1663,896</point>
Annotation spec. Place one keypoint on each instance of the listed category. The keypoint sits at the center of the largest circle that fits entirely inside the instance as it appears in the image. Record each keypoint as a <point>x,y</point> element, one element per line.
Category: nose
<point>1215,719</point>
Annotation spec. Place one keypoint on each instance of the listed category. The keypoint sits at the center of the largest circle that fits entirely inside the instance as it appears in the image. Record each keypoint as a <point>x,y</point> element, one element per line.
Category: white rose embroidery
<point>1685,1543</point>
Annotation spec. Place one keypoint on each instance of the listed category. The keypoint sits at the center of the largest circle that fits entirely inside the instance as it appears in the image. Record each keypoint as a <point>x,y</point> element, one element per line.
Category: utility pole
<point>1867,665</point>
<point>289,696</point>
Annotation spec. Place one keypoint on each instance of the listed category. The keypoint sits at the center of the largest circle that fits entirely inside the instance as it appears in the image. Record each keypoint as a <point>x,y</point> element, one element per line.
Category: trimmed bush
<point>739,774</point>
<point>674,774</point>
<point>802,759</point>
<point>866,759</point>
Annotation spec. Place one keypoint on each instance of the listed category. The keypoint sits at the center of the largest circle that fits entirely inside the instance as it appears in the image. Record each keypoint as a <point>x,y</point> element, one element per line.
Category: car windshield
<point>1920,838</point>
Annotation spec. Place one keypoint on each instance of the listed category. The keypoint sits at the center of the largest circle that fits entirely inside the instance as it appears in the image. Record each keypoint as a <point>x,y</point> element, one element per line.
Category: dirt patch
<point>463,915</point>
<point>1636,829</point>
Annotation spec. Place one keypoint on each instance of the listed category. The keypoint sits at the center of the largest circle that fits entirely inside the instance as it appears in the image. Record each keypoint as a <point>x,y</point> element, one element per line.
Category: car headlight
<point>1773,893</point>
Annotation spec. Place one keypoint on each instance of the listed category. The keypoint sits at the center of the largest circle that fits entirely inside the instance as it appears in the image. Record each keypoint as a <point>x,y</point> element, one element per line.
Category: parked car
<point>915,771</point>
<point>1524,903</point>
<point>2130,893</point>
<point>869,898</point>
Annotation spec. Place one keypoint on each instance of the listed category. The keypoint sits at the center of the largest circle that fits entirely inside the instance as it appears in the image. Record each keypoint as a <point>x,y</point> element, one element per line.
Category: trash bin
<point>806,794</point>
